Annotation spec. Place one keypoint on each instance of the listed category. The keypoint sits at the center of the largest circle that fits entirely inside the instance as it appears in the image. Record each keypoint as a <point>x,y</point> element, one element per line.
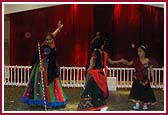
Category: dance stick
<point>41,72</point>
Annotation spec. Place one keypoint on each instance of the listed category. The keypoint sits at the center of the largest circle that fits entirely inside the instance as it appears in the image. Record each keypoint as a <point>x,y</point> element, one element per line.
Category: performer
<point>141,92</point>
<point>95,91</point>
<point>44,87</point>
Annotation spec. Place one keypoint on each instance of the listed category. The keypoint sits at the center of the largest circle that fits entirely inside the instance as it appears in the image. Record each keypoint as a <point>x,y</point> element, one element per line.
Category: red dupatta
<point>100,79</point>
<point>105,63</point>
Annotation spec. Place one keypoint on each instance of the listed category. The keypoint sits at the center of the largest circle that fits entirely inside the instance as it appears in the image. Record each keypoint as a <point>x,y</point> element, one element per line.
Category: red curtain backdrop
<point>128,26</point>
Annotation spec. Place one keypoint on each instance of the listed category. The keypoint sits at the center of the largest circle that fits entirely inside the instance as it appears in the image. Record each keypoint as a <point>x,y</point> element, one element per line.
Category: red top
<point>140,70</point>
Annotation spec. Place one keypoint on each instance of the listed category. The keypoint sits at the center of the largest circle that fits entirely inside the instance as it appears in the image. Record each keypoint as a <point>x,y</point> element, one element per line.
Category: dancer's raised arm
<point>60,25</point>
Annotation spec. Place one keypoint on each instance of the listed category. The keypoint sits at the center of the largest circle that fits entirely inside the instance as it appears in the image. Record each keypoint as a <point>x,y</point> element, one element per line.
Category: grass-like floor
<point>117,101</point>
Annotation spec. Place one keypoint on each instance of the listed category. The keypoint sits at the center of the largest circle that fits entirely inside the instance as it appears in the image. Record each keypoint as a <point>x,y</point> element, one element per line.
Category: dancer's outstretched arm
<point>128,63</point>
<point>116,61</point>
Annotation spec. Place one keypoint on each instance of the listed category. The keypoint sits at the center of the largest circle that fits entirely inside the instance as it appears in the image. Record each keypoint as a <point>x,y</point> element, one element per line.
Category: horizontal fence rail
<point>75,76</point>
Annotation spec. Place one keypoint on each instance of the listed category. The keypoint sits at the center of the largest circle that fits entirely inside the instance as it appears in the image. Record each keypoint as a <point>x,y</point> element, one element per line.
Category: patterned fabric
<point>85,104</point>
<point>95,92</point>
<point>92,97</point>
<point>42,88</point>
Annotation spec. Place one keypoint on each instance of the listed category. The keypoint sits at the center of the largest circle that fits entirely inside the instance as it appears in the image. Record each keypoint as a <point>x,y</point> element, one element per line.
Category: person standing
<point>141,92</point>
<point>44,87</point>
<point>95,90</point>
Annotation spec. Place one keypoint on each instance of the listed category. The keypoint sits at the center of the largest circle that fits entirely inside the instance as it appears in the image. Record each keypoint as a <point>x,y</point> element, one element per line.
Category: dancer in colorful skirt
<point>44,87</point>
<point>141,92</point>
<point>96,91</point>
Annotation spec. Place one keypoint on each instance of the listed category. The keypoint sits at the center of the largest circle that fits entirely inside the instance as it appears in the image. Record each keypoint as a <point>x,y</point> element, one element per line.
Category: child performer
<point>141,92</point>
<point>95,92</point>
<point>44,87</point>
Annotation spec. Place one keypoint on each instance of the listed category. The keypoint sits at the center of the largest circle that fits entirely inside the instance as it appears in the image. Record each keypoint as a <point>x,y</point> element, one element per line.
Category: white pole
<point>25,73</point>
<point>124,79</point>
<point>82,76</point>
<point>41,71</point>
<point>21,69</point>
<point>71,77</point>
<point>67,77</point>
<point>159,79</point>
<point>109,72</point>
<point>14,76</point>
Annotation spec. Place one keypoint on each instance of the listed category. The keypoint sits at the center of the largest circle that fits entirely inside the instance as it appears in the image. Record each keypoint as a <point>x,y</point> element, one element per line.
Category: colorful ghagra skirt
<point>38,91</point>
<point>95,92</point>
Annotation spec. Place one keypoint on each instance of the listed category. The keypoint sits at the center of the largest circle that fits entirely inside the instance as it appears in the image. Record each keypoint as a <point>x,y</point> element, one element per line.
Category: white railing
<point>16,75</point>
<point>124,77</point>
<point>74,76</point>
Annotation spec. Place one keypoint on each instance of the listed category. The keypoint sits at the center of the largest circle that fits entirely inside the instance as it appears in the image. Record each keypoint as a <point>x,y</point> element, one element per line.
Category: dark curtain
<point>72,41</point>
<point>139,24</point>
<point>126,26</point>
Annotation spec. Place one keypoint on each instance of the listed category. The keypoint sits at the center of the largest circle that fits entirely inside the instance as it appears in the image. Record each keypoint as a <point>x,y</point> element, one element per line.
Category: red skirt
<point>100,79</point>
